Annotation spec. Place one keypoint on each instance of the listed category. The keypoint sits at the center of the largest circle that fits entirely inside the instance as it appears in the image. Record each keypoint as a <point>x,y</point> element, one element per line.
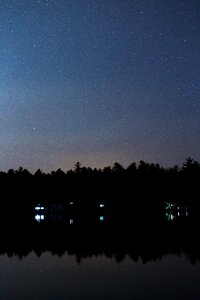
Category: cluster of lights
<point>39,217</point>
<point>39,208</point>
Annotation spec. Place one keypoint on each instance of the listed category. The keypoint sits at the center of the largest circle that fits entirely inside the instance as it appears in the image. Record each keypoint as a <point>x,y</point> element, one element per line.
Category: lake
<point>95,250</point>
<point>98,277</point>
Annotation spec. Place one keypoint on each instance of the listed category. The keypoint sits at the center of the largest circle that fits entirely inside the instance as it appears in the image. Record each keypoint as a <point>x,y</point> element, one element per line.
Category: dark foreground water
<point>52,277</point>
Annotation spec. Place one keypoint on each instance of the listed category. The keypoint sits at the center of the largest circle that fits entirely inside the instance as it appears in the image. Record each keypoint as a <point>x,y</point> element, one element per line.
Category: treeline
<point>135,179</point>
<point>133,196</point>
<point>190,166</point>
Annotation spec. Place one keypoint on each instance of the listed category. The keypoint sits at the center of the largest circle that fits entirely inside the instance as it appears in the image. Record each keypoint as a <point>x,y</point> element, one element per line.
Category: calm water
<point>53,277</point>
<point>99,253</point>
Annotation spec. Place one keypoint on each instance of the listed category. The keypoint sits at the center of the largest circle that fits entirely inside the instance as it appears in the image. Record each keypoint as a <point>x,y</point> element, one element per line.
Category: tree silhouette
<point>190,164</point>
<point>77,167</point>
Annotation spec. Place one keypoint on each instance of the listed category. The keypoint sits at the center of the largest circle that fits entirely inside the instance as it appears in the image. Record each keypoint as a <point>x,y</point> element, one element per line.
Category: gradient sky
<point>98,82</point>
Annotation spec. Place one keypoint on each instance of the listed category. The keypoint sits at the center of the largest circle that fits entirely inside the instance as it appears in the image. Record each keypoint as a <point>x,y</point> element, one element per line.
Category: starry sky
<point>98,81</point>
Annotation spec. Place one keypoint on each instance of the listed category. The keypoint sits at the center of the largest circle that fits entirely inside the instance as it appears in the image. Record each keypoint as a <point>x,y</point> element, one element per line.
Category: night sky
<point>98,82</point>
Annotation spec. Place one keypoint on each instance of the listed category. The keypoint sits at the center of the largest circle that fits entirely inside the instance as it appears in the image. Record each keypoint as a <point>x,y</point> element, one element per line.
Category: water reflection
<point>39,213</point>
<point>39,218</point>
<point>70,210</point>
<point>175,211</point>
<point>138,240</point>
<point>102,218</point>
<point>116,227</point>
<point>52,277</point>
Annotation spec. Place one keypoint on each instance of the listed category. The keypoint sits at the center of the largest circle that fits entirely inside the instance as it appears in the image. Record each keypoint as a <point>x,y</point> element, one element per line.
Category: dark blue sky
<point>98,82</point>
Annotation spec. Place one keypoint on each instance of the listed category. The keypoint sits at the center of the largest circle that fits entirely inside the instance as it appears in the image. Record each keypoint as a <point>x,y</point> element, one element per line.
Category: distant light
<point>179,214</point>
<point>172,217</point>
<point>71,221</point>
<point>101,205</point>
<point>39,217</point>
<point>71,202</point>
<point>186,214</point>
<point>101,218</point>
<point>39,207</point>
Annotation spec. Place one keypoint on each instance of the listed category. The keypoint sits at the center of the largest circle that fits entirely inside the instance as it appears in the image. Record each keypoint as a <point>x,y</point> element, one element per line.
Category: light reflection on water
<point>98,277</point>
<point>39,218</point>
<point>175,211</point>
<point>57,212</point>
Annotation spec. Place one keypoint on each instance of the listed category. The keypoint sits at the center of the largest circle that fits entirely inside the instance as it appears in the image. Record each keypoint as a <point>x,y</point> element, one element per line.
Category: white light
<point>178,213</point>
<point>101,218</point>
<point>37,218</point>
<point>39,207</point>
<point>71,202</point>
<point>102,205</point>
<point>71,221</point>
